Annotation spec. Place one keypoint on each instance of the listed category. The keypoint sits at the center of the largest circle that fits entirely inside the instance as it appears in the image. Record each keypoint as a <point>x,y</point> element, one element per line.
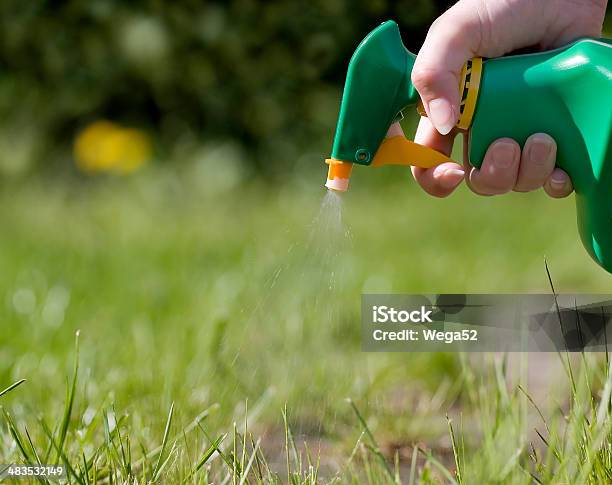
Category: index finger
<point>442,180</point>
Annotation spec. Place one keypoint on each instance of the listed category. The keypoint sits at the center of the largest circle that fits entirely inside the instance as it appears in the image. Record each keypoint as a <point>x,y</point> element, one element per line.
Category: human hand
<point>492,28</point>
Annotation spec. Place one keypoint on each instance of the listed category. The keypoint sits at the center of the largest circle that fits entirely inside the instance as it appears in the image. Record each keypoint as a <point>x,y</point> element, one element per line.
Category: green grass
<point>219,335</point>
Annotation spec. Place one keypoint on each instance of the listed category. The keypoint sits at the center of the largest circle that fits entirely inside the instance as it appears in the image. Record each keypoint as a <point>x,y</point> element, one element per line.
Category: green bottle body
<point>566,93</point>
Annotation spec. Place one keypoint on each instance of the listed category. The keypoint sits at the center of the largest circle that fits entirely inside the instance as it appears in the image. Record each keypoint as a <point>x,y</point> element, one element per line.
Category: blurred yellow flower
<point>104,146</point>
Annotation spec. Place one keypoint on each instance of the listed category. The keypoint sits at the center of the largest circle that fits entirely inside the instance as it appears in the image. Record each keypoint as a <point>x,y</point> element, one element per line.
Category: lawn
<point>209,302</point>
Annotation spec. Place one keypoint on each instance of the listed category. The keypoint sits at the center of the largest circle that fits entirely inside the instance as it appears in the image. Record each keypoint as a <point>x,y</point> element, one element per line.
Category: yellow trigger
<point>397,150</point>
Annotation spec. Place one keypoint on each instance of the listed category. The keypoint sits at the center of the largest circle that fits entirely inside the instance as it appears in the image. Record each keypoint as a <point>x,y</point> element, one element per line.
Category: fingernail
<point>451,177</point>
<point>558,180</point>
<point>442,115</point>
<point>540,150</point>
<point>504,154</point>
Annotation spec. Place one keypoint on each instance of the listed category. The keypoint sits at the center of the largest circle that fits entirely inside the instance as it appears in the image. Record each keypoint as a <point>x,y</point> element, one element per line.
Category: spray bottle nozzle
<point>338,175</point>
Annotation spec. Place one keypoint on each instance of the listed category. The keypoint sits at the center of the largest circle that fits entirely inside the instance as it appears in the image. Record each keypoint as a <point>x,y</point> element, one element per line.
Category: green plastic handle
<point>566,93</point>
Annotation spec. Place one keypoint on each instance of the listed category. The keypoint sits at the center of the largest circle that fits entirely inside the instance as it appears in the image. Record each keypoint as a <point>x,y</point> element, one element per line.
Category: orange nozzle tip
<point>338,175</point>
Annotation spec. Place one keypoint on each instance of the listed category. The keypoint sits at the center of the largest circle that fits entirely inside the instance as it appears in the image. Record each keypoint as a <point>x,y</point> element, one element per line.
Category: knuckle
<point>496,185</point>
<point>433,190</point>
<point>424,77</point>
<point>532,177</point>
<point>437,23</point>
<point>429,190</point>
<point>524,186</point>
<point>481,191</point>
<point>481,187</point>
<point>552,193</point>
<point>452,26</point>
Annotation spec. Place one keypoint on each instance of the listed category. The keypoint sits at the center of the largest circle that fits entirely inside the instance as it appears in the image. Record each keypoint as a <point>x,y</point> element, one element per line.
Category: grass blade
<point>250,463</point>
<point>455,449</point>
<point>11,387</point>
<point>441,468</point>
<point>70,392</point>
<point>17,437</point>
<point>62,455</point>
<point>375,448</point>
<point>413,465</point>
<point>164,443</point>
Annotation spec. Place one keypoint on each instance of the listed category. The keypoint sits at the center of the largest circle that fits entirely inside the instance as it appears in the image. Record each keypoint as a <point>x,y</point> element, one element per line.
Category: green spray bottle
<point>566,93</point>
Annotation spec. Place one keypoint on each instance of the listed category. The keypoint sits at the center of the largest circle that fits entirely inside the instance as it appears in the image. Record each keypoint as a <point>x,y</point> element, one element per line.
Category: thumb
<point>452,40</point>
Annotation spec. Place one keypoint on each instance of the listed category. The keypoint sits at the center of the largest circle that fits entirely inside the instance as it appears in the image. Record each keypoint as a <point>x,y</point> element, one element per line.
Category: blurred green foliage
<point>266,74</point>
